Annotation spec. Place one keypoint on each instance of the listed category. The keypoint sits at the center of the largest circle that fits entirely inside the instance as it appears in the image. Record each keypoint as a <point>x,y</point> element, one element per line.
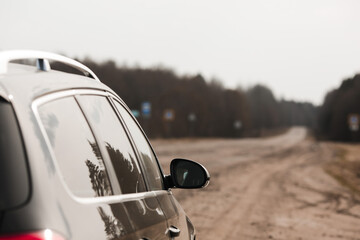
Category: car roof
<point>25,83</point>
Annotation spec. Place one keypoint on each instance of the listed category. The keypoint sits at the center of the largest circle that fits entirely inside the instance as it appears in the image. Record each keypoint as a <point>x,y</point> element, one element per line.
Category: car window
<point>14,181</point>
<point>109,129</point>
<point>75,148</point>
<point>147,156</point>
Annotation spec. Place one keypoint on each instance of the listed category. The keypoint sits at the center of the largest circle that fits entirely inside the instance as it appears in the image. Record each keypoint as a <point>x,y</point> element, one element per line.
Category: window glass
<point>14,181</point>
<point>147,156</point>
<point>112,134</point>
<point>75,148</point>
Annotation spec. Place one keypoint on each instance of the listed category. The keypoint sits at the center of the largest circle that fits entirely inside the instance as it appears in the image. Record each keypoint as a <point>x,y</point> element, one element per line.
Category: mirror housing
<point>187,174</point>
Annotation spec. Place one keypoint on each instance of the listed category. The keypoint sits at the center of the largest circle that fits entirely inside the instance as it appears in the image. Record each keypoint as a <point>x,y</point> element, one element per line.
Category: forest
<point>192,106</point>
<point>339,107</point>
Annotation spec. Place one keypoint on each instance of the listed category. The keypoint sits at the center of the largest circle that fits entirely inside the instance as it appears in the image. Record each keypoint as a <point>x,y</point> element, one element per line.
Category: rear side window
<point>109,129</point>
<point>14,179</point>
<point>76,151</point>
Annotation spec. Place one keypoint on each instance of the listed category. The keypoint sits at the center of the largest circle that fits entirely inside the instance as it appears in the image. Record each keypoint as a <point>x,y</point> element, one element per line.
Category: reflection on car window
<point>112,134</point>
<point>150,163</point>
<point>75,149</point>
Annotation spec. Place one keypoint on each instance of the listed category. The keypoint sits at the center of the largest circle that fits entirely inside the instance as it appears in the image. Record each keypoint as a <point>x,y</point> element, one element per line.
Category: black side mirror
<point>188,174</point>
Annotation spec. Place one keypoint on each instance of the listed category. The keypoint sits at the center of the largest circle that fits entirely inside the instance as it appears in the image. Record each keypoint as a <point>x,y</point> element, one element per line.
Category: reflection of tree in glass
<point>113,227</point>
<point>125,170</point>
<point>96,150</point>
<point>99,179</point>
<point>116,154</point>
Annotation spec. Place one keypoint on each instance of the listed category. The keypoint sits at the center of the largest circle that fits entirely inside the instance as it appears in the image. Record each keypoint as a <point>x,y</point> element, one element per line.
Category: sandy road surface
<point>273,188</point>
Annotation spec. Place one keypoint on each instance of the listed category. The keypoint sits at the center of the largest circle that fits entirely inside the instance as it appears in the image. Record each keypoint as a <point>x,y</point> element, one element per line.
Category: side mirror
<point>188,174</point>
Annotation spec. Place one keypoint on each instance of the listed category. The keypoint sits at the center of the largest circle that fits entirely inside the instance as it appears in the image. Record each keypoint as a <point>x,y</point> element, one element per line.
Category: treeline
<point>199,107</point>
<point>339,106</point>
<point>266,112</point>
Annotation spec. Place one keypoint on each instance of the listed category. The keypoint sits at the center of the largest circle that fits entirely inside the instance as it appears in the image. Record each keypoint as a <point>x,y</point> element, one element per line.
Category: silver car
<point>75,164</point>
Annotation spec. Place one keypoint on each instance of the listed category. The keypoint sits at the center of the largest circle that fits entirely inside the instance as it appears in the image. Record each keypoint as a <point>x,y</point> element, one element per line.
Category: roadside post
<point>354,122</point>
<point>237,127</point>
<point>146,109</point>
<point>192,119</point>
<point>168,118</point>
<point>146,114</point>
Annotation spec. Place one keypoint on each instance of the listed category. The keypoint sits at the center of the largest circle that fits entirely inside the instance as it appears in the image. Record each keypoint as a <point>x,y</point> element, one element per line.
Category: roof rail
<point>42,62</point>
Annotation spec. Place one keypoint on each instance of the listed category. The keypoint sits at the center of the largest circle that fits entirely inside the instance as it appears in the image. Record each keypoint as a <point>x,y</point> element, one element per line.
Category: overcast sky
<point>300,49</point>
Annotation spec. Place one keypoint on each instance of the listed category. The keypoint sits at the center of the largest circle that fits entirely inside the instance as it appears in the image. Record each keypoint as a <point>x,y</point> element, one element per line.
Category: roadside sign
<point>354,122</point>
<point>146,109</point>
<point>169,115</point>
<point>237,124</point>
<point>136,113</point>
<point>192,117</point>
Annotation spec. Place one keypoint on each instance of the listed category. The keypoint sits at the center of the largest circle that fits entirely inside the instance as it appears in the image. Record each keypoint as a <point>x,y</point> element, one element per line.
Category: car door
<point>85,194</point>
<point>142,206</point>
<point>154,177</point>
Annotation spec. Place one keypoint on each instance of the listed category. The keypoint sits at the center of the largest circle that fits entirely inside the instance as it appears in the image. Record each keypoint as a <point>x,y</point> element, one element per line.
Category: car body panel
<point>174,213</point>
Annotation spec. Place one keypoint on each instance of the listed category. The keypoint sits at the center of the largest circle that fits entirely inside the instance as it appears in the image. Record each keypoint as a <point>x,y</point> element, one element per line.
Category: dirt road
<point>273,188</point>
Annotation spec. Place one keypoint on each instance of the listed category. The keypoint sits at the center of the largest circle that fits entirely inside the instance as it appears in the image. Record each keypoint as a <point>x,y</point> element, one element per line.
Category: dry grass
<point>345,166</point>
